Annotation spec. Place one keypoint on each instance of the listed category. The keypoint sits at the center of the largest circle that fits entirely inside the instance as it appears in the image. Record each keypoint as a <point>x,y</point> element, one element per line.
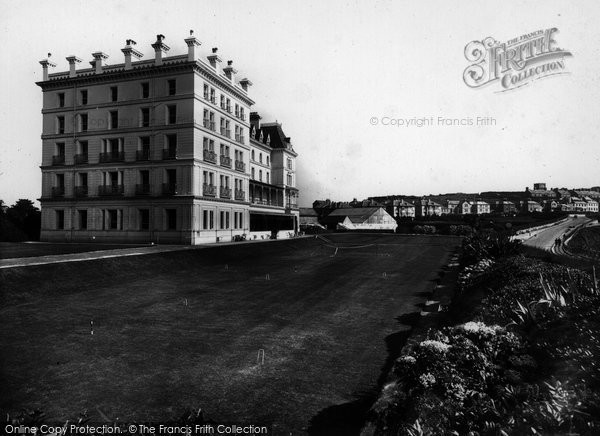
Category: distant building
<point>361,218</point>
<point>403,209</point>
<point>480,207</point>
<point>308,216</point>
<point>425,207</point>
<point>531,206</point>
<point>464,207</point>
<point>505,207</point>
<point>539,191</point>
<point>451,207</point>
<point>539,186</point>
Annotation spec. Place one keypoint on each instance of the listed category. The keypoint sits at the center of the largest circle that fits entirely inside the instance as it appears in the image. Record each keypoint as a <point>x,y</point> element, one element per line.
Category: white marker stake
<point>92,327</point>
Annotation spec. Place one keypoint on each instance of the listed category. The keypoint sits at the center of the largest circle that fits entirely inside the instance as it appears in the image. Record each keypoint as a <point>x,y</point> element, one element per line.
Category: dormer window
<point>268,139</point>
<point>261,138</point>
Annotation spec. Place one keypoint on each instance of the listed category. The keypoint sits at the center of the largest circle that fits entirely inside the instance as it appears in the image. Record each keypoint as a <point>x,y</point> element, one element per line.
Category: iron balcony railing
<point>58,159</point>
<point>81,191</point>
<point>209,125</point>
<point>113,156</point>
<point>142,189</point>
<point>226,161</point>
<point>224,192</point>
<point>58,191</point>
<point>240,166</point>
<point>81,158</point>
<point>210,156</point>
<point>209,190</point>
<point>240,195</point>
<point>169,188</point>
<point>107,190</point>
<point>142,155</point>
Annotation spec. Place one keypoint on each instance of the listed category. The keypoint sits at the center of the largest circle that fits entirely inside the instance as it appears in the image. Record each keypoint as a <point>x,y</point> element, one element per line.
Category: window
<point>171,219</point>
<point>289,163</point>
<point>61,99</point>
<point>213,98</point>
<point>83,219</point>
<point>253,174</point>
<point>289,180</point>
<point>114,93</point>
<point>171,114</point>
<point>83,96</point>
<point>112,222</point>
<point>237,110</point>
<point>260,157</point>
<point>206,92</point>
<point>205,220</point>
<point>267,160</point>
<point>113,120</point>
<point>222,101</point>
<point>145,90</point>
<point>260,175</point>
<point>172,86</point>
<point>60,219</point>
<point>60,124</point>
<point>171,145</point>
<point>145,117</point>
<point>268,178</point>
<point>253,155</point>
<point>60,149</point>
<point>83,122</point>
<point>226,220</point>
<point>242,115</point>
<point>228,105</point>
<point>144,217</point>
<point>222,220</point>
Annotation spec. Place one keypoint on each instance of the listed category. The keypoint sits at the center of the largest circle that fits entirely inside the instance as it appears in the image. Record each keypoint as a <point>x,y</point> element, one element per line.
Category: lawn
<point>183,329</point>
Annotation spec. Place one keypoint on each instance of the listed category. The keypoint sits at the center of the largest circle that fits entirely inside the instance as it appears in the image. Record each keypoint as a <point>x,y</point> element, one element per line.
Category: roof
<point>274,133</point>
<point>308,211</point>
<point>365,212</point>
<point>403,203</point>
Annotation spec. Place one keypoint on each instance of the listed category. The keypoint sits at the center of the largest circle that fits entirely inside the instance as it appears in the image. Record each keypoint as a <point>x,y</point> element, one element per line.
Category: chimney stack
<point>214,59</point>
<point>245,83</point>
<point>192,43</point>
<point>159,47</point>
<point>129,51</point>
<point>230,71</point>
<point>255,120</point>
<point>45,64</point>
<point>97,62</point>
<point>72,61</point>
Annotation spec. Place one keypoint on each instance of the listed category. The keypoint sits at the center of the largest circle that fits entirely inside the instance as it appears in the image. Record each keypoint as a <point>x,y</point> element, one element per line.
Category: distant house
<point>480,207</point>
<point>361,218</point>
<point>592,205</point>
<point>581,193</point>
<point>464,207</point>
<point>425,207</point>
<point>403,209</point>
<point>539,191</point>
<point>505,207</point>
<point>551,205</point>
<point>451,207</point>
<point>308,216</point>
<point>531,206</point>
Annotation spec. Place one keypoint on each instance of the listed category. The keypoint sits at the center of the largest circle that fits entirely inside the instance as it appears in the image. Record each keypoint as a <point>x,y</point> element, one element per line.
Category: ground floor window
<point>83,219</point>
<point>171,216</point>
<point>112,219</point>
<point>144,216</point>
<point>208,219</point>
<point>60,219</point>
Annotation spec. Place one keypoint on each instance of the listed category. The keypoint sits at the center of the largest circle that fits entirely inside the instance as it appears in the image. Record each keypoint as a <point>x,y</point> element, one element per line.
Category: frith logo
<point>515,63</point>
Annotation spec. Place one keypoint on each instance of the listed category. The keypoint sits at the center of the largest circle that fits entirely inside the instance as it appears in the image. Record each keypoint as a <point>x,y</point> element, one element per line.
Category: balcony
<point>210,156</point>
<point>209,125</point>
<point>240,195</point>
<point>169,153</point>
<point>141,155</point>
<point>266,202</point>
<point>224,192</point>
<point>58,191</point>
<point>142,189</point>
<point>81,191</point>
<point>240,166</point>
<point>169,188</point>
<point>112,156</point>
<point>81,158</point>
<point>225,161</point>
<point>209,190</point>
<point>108,190</point>
<point>58,159</point>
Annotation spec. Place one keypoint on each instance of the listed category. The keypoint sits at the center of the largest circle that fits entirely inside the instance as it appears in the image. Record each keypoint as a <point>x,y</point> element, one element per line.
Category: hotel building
<point>160,151</point>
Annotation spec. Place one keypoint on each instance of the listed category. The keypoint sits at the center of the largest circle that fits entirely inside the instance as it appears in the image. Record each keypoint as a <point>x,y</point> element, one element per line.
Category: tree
<point>19,222</point>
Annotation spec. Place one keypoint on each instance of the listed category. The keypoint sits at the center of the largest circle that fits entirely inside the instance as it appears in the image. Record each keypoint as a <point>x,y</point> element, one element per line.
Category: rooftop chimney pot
<point>97,62</point>
<point>73,60</point>
<point>192,43</point>
<point>129,51</point>
<point>159,47</point>
<point>45,64</point>
<point>214,59</point>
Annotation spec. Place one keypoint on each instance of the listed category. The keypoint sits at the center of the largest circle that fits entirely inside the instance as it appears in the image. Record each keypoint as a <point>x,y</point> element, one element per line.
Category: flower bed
<point>527,363</point>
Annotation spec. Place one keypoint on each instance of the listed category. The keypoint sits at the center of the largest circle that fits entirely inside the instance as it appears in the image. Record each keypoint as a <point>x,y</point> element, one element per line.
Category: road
<point>546,238</point>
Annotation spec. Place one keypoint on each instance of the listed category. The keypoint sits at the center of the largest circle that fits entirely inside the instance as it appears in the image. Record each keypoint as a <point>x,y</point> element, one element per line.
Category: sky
<point>336,74</point>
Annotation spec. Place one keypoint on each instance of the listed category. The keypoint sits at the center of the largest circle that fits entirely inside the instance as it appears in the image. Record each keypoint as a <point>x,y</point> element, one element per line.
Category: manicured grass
<point>327,322</point>
<point>10,250</point>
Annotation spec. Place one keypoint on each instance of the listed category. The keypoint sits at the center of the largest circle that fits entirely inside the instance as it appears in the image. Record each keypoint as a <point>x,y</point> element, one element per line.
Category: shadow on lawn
<point>348,419</point>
